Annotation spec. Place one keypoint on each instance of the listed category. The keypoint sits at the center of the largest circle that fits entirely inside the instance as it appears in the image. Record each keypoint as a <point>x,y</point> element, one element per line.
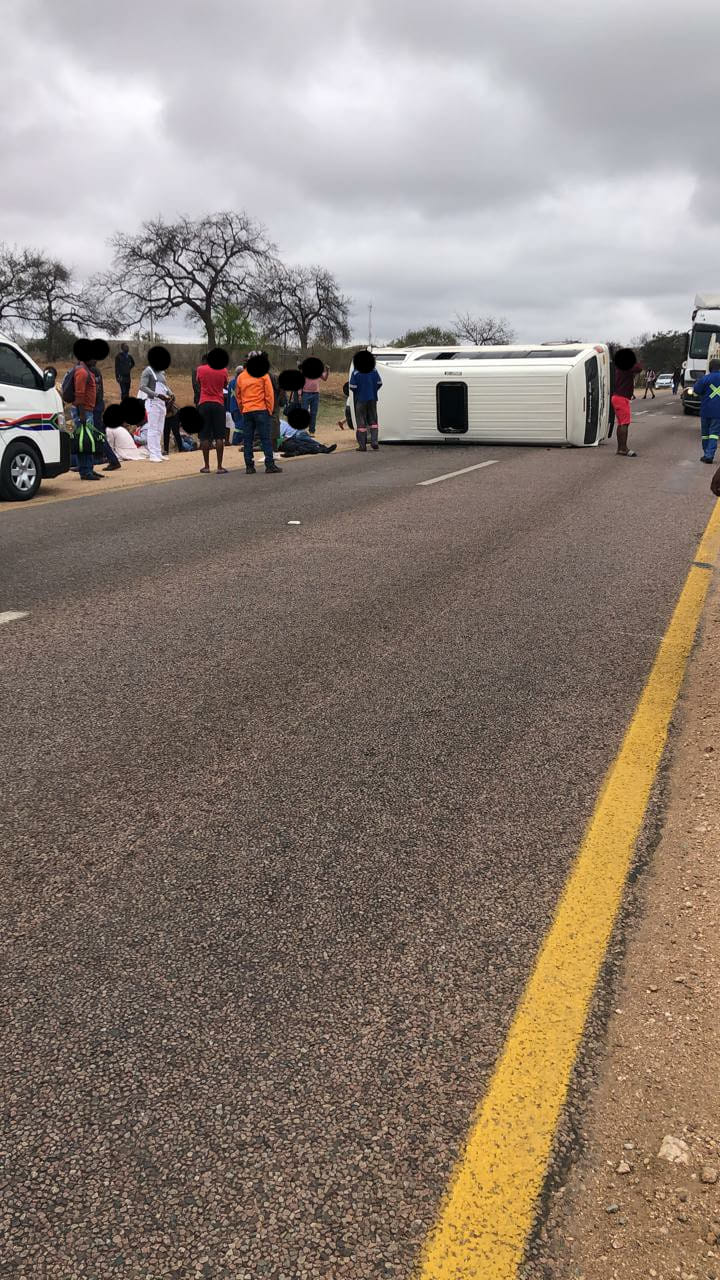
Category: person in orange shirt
<point>256,400</point>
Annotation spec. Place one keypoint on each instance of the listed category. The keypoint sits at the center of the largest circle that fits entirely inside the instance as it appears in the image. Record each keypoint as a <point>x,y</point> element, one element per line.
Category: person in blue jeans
<point>256,400</point>
<point>315,372</point>
<point>85,442</point>
<point>708,388</point>
<point>295,437</point>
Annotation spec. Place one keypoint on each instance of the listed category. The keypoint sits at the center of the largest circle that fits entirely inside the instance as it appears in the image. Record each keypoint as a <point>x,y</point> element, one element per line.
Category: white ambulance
<point>34,444</point>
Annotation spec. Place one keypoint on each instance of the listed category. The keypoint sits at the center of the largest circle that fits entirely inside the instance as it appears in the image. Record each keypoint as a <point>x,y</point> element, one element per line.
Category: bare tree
<point>16,282</point>
<point>482,331</point>
<point>56,301</point>
<point>304,303</point>
<point>189,266</point>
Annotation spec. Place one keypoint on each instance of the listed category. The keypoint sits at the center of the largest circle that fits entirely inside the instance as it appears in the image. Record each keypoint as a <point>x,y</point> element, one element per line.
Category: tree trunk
<point>50,337</point>
<point>210,329</point>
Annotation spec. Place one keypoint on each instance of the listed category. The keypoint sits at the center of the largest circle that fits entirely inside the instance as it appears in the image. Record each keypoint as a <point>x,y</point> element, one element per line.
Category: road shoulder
<point>137,474</point>
<point>621,1210</point>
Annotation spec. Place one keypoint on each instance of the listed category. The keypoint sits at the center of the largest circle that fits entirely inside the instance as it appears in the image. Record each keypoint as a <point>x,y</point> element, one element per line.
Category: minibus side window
<point>16,372</point>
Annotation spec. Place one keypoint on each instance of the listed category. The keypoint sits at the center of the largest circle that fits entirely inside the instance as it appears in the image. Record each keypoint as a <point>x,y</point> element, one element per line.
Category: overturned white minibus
<point>515,394</point>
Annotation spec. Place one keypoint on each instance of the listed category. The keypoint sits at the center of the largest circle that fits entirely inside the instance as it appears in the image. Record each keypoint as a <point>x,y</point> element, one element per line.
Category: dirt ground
<point>141,472</point>
<point>332,401</point>
<point>623,1211</point>
<point>133,474</point>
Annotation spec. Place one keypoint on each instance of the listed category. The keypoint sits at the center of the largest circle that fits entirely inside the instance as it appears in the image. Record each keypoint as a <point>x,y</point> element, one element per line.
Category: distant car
<point>664,380</point>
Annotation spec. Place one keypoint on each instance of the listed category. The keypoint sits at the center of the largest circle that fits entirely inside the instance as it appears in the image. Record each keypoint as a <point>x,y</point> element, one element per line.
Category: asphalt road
<point>287,809</point>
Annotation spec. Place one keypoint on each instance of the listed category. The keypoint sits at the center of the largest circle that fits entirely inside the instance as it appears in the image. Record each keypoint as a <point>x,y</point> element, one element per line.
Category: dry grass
<point>332,401</point>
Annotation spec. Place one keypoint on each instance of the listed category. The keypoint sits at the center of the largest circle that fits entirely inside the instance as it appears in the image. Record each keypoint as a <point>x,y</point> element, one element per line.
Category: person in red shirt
<point>212,380</point>
<point>625,369</point>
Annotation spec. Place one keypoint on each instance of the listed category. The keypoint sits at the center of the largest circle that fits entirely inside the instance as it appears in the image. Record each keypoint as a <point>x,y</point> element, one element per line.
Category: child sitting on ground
<point>347,420</point>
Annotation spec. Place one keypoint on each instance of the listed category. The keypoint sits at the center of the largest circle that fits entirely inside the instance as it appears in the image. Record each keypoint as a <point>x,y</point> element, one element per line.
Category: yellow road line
<point>489,1210</point>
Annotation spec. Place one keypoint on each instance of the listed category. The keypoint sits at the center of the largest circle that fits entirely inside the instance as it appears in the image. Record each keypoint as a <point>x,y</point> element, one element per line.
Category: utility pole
<point>370,307</point>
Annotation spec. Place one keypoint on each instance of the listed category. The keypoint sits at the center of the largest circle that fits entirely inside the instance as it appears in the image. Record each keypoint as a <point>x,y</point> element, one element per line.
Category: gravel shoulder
<point>133,475</point>
<point>620,1209</point>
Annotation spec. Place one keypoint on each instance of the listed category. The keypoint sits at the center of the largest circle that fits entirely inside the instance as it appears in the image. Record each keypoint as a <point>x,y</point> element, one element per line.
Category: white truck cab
<point>33,441</point>
<point>702,345</point>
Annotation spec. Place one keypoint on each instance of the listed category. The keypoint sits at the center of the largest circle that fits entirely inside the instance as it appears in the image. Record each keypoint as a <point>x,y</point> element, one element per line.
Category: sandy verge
<point>133,474</point>
<point>622,1211</point>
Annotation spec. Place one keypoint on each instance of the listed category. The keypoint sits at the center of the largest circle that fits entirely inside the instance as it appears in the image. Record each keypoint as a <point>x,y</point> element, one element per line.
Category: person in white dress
<point>155,390</point>
<point>119,438</point>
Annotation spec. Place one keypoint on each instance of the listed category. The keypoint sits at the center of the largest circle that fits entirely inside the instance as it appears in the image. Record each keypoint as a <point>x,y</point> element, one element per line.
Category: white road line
<point>11,616</point>
<point>640,412</point>
<point>450,474</point>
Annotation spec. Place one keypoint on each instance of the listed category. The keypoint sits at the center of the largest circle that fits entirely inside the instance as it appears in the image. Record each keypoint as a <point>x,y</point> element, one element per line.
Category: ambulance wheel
<point>20,472</point>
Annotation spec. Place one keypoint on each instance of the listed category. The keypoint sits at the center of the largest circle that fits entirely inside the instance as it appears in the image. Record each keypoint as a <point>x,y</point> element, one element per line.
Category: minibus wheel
<point>20,472</point>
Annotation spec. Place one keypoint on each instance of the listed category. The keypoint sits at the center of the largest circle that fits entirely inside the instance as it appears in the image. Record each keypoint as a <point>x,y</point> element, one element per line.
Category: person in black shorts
<point>212,379</point>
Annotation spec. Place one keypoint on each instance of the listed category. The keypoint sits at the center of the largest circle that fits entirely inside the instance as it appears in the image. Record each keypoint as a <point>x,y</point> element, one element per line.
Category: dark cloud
<point>549,163</point>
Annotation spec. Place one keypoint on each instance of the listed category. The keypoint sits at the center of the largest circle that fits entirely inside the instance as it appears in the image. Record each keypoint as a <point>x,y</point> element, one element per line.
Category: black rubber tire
<point>16,450</point>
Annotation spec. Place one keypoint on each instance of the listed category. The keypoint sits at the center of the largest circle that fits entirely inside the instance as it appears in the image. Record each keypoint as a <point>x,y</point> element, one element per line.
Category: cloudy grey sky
<point>552,163</point>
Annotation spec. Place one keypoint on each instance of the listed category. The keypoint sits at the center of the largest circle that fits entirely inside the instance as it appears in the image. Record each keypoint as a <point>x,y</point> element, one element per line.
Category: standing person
<point>624,371</point>
<point>156,393</point>
<point>347,420</point>
<point>172,427</point>
<point>365,383</point>
<point>290,385</point>
<point>212,381</point>
<point>234,407</point>
<point>101,352</point>
<point>124,365</point>
<point>315,372</point>
<point>194,380</point>
<point>275,415</point>
<point>677,379</point>
<point>83,404</point>
<point>256,400</point>
<point>650,379</point>
<point>709,388</point>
